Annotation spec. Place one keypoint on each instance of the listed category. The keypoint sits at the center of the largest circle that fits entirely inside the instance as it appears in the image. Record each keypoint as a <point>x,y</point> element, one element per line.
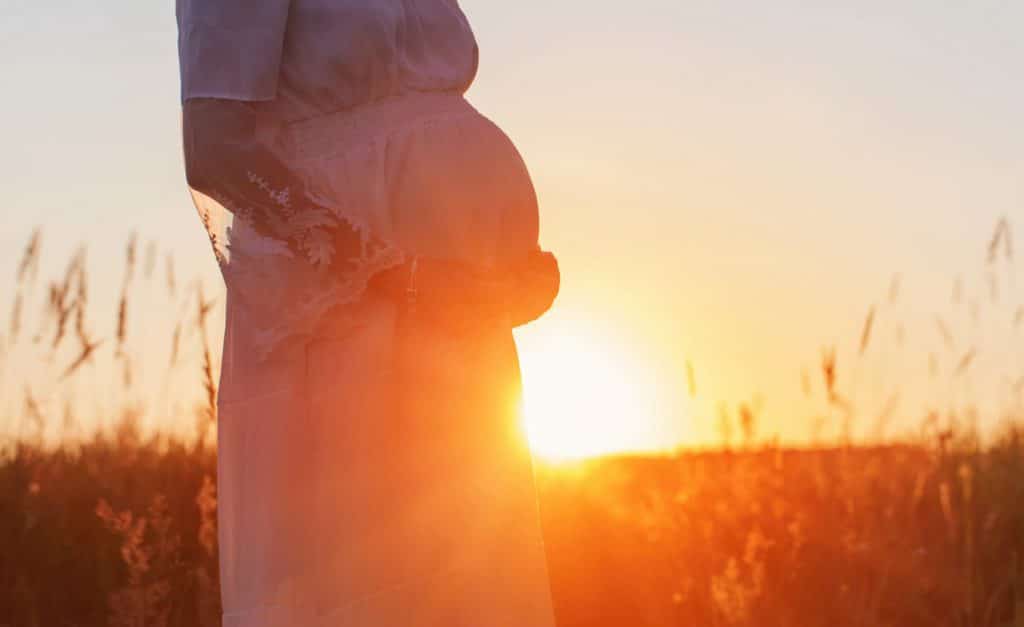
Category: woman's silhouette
<point>378,240</point>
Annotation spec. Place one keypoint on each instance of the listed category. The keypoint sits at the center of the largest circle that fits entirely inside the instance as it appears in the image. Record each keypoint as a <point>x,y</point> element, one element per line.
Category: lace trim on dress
<point>288,258</point>
<point>288,268</point>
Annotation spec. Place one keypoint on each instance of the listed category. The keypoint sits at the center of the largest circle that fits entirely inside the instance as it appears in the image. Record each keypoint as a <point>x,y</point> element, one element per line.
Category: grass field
<point>122,531</point>
<point>119,528</point>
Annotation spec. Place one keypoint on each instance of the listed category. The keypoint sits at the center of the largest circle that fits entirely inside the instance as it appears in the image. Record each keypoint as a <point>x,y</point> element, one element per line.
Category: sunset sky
<point>729,184</point>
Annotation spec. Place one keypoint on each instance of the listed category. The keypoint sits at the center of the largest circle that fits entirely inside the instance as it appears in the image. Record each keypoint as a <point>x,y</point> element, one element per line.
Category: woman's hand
<point>534,285</point>
<point>459,298</point>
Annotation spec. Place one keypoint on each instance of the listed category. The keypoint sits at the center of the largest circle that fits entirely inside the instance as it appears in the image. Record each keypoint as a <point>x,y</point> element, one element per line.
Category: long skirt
<point>378,476</point>
<point>376,473</point>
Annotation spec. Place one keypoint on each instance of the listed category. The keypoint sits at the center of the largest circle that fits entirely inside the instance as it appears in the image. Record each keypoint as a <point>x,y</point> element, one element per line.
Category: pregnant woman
<point>378,240</point>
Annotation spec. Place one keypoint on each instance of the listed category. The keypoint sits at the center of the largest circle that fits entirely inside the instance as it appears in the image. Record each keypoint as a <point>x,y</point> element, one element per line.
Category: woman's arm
<point>216,133</point>
<point>459,297</point>
<point>230,55</point>
<point>227,143</point>
<point>231,49</point>
<point>233,155</point>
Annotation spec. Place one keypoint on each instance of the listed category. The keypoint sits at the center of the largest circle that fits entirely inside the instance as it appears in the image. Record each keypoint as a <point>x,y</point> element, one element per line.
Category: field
<point>122,532</point>
<point>119,528</point>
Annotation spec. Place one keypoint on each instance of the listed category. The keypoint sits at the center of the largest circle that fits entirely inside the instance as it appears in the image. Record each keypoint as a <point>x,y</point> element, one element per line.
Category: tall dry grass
<point>119,527</point>
<point>897,535</point>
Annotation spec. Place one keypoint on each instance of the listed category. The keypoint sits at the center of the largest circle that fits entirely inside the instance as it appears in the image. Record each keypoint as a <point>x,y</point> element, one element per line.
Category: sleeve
<point>231,49</point>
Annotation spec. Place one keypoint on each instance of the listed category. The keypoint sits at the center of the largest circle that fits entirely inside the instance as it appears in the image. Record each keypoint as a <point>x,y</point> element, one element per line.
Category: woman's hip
<point>382,345</point>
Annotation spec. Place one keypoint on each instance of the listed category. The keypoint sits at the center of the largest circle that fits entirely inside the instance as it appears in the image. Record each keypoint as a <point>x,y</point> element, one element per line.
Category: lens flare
<point>585,397</point>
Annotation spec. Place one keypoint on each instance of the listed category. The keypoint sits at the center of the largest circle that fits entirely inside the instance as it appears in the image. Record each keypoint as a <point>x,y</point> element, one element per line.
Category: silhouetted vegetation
<point>119,528</point>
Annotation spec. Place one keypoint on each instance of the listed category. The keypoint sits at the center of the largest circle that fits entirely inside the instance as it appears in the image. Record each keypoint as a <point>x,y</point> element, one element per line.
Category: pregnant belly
<point>427,171</point>
<point>460,190</point>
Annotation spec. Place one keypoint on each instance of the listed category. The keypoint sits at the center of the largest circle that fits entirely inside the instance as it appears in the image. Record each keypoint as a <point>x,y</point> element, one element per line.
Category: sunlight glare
<point>583,398</point>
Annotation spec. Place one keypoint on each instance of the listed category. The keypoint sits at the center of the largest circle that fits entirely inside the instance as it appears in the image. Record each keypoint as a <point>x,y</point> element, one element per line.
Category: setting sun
<point>583,397</point>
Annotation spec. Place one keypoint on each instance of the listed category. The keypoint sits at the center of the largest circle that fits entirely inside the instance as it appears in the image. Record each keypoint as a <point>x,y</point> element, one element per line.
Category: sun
<point>584,397</point>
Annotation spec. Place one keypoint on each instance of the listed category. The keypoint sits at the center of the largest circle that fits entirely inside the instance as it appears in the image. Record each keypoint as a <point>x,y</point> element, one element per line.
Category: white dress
<point>373,469</point>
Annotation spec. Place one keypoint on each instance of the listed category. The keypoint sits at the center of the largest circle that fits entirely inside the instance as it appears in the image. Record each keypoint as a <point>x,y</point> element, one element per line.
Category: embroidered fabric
<point>288,272</point>
<point>379,191</point>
